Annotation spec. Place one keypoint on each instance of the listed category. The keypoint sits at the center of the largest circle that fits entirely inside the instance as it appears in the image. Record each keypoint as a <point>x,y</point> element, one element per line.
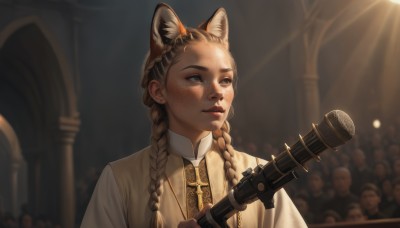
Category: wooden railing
<point>378,223</point>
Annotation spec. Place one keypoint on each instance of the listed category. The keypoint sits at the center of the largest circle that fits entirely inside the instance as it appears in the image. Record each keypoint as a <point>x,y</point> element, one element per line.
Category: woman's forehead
<point>204,53</point>
<point>204,47</point>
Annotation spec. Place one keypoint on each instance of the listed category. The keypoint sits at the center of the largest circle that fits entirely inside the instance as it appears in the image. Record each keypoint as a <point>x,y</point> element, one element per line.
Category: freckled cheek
<point>229,95</point>
<point>185,95</point>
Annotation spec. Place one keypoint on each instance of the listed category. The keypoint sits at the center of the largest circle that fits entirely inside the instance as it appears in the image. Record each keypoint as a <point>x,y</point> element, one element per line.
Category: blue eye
<point>195,78</point>
<point>226,81</point>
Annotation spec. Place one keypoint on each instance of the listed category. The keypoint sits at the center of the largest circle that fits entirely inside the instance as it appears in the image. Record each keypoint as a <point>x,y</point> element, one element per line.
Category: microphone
<point>262,182</point>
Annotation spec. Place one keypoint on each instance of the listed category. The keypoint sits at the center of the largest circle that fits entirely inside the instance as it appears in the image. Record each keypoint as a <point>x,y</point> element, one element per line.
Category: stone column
<point>308,101</point>
<point>68,128</point>
<point>34,180</point>
<point>14,186</point>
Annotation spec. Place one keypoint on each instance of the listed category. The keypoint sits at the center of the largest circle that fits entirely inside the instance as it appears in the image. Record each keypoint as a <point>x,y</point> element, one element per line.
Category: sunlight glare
<point>395,1</point>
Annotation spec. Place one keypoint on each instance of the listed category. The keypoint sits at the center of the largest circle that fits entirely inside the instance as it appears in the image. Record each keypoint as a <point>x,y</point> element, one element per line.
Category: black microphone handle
<point>262,182</point>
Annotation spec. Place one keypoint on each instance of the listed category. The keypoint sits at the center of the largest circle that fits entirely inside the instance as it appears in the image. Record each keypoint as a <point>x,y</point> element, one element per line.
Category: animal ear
<point>165,27</point>
<point>217,24</point>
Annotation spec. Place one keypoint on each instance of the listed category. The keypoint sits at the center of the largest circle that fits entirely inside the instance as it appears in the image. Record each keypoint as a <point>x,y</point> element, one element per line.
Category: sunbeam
<point>390,76</point>
<point>254,71</point>
<point>359,82</point>
<point>350,21</point>
<point>395,1</point>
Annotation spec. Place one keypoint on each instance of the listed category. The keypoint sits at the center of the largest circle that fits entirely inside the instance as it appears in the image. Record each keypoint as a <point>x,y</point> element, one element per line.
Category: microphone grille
<point>336,128</point>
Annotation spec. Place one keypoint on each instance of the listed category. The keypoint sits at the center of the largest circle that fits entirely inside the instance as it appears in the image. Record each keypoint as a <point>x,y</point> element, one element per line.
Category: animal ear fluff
<point>217,25</point>
<point>165,27</point>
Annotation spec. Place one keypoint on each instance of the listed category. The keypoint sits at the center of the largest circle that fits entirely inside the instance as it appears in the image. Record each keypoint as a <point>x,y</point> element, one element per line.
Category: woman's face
<point>199,90</point>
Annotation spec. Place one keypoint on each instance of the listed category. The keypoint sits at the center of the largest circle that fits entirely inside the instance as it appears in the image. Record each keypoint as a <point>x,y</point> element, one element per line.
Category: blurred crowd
<point>357,182</point>
<point>360,181</point>
<point>26,220</point>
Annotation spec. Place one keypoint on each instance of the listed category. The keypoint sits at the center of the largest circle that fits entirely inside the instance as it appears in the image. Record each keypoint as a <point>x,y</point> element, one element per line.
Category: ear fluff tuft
<point>165,27</point>
<point>217,24</point>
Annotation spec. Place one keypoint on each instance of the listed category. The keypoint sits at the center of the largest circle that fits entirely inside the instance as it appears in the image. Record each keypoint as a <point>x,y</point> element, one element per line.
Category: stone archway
<point>38,97</point>
<point>14,188</point>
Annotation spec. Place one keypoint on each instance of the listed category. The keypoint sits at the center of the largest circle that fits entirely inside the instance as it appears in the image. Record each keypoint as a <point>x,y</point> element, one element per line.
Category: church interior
<point>70,96</point>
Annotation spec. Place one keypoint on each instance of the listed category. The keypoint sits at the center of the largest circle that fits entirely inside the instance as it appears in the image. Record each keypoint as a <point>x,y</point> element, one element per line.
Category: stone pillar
<point>68,128</point>
<point>308,101</point>
<point>34,180</point>
<point>14,186</point>
<point>303,68</point>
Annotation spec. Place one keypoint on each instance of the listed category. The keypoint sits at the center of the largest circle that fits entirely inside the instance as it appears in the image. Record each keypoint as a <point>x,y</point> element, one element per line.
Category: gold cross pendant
<point>198,184</point>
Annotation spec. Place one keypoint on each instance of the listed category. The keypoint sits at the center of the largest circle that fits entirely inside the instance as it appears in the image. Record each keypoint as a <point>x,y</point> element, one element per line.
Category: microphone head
<point>336,128</point>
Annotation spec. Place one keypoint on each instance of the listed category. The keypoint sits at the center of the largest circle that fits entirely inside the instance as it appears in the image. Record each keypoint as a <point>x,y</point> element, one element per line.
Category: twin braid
<point>224,142</point>
<point>158,160</point>
<point>156,69</point>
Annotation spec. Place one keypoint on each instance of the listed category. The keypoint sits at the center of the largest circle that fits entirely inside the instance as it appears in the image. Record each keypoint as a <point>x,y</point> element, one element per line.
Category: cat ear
<point>217,25</point>
<point>165,27</point>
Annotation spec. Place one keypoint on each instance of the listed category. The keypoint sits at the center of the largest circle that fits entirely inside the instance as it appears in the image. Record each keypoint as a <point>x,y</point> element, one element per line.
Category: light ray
<point>395,1</point>
<point>350,21</point>
<point>254,71</point>
<point>264,60</point>
<point>352,80</point>
<point>390,76</point>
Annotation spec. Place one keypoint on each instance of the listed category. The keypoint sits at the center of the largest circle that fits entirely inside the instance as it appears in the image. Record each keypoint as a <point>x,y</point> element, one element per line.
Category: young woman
<point>188,82</point>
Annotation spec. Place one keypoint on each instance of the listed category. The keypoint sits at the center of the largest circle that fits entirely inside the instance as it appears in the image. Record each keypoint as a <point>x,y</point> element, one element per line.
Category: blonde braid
<point>157,70</point>
<point>224,141</point>
<point>158,160</point>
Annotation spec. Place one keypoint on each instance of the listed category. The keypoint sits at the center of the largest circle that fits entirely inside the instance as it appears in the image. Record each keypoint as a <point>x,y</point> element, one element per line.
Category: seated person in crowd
<point>394,208</point>
<point>387,195</point>
<point>360,171</point>
<point>355,213</point>
<point>382,172</point>
<point>370,200</point>
<point>341,183</point>
<point>331,216</point>
<point>393,151</point>
<point>301,202</point>
<point>396,167</point>
<point>317,197</point>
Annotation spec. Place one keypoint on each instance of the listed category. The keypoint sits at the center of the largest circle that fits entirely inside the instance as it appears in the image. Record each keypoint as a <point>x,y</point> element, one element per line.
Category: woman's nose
<point>216,91</point>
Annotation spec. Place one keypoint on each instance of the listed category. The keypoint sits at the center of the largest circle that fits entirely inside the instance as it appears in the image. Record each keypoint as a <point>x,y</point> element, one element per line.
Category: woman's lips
<point>215,109</point>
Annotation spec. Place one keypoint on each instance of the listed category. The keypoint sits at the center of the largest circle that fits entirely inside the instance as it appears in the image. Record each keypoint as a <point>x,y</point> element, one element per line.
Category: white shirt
<point>184,147</point>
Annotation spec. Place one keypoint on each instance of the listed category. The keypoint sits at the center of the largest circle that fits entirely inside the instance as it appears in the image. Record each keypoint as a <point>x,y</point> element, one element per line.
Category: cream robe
<point>121,196</point>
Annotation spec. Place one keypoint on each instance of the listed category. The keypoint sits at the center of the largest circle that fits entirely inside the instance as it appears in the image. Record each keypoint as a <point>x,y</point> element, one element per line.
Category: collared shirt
<point>184,147</point>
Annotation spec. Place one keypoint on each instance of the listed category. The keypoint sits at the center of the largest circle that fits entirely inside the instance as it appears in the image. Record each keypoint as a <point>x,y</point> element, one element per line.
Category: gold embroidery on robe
<point>191,195</point>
